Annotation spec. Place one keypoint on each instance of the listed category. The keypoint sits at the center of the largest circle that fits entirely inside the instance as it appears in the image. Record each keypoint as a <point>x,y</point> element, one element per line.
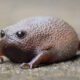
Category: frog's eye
<point>20,34</point>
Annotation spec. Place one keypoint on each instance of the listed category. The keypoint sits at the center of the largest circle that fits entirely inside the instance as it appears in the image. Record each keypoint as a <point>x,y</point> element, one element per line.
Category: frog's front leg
<point>1,59</point>
<point>41,57</point>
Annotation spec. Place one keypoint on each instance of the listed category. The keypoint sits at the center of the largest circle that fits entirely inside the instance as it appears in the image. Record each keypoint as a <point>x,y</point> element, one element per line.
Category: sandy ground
<point>12,11</point>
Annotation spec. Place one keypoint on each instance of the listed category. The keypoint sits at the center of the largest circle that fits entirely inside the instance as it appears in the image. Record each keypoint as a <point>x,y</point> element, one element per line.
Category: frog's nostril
<point>2,33</point>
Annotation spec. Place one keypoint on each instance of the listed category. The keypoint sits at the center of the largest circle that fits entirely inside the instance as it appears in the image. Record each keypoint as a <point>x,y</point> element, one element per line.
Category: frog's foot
<point>1,60</point>
<point>26,66</point>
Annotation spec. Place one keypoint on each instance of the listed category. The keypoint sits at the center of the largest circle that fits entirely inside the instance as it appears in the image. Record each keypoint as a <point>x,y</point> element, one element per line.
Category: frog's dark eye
<point>20,34</point>
<point>2,33</point>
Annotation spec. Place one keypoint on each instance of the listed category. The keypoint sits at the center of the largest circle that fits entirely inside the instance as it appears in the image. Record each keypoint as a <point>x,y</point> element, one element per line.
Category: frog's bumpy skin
<point>45,33</point>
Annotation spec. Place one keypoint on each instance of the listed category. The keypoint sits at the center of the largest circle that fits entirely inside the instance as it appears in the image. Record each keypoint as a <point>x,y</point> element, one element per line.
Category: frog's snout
<point>2,33</point>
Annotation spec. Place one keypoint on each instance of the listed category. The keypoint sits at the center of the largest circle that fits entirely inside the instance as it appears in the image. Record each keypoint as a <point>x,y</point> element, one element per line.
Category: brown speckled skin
<point>47,40</point>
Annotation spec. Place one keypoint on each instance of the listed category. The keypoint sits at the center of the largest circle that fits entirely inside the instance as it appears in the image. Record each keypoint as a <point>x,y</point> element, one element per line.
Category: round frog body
<point>39,40</point>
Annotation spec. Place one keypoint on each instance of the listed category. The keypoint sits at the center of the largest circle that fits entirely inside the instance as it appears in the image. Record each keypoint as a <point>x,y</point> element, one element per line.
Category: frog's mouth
<point>16,55</point>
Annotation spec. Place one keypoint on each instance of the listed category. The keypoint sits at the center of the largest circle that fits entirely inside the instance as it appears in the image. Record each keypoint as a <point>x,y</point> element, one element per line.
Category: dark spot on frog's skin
<point>18,56</point>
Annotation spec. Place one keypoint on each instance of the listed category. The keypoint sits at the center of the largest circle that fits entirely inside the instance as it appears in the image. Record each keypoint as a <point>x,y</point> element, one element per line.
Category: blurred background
<point>12,11</point>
